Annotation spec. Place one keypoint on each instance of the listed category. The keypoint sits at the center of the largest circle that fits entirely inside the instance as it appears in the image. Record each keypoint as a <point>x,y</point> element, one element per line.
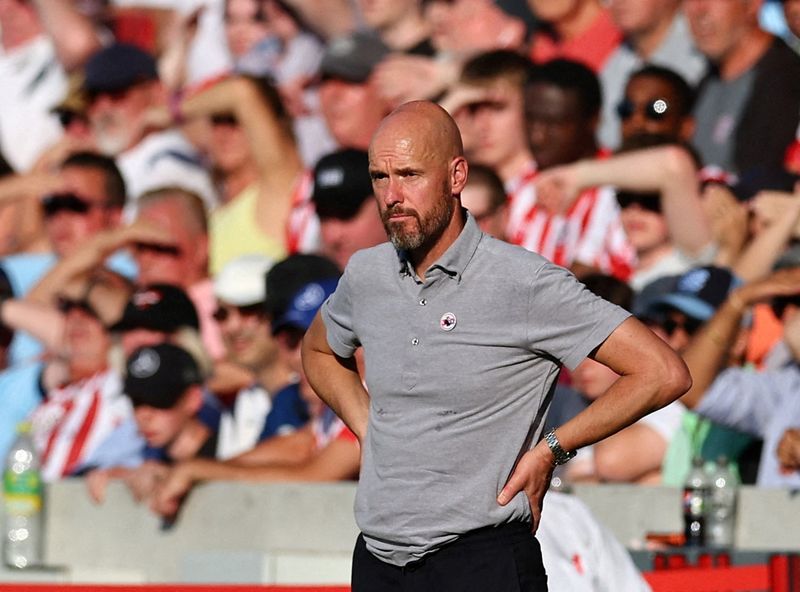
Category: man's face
<point>244,26</point>
<point>246,335</point>
<point>718,26</point>
<point>85,340</point>
<point>352,111</point>
<point>497,127</point>
<point>650,106</point>
<point>118,118</point>
<point>640,16</point>
<point>412,185</point>
<point>558,132</point>
<point>645,229</point>
<point>67,228</point>
<point>342,238</point>
<point>183,261</point>
<point>791,12</point>
<point>491,219</point>
<point>160,427</point>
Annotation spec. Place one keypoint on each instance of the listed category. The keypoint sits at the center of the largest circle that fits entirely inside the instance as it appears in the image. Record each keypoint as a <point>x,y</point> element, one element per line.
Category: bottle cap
<point>24,427</point>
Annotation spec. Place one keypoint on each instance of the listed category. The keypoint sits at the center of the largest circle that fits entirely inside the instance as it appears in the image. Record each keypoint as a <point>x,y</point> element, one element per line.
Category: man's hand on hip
<point>531,475</point>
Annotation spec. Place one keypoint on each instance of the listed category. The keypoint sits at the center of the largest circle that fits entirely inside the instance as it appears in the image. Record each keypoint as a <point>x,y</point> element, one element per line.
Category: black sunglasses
<point>690,325</point>
<point>649,202</point>
<point>654,110</point>
<point>223,312</point>
<point>69,202</point>
<point>67,304</point>
<point>224,119</point>
<point>157,248</point>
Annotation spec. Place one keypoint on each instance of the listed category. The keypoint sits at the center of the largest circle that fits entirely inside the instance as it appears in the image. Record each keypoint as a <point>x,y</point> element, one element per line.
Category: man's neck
<point>515,166</point>
<point>745,54</point>
<point>647,42</point>
<point>579,22</point>
<point>406,33</point>
<point>426,256</point>
<point>274,376</point>
<point>237,181</point>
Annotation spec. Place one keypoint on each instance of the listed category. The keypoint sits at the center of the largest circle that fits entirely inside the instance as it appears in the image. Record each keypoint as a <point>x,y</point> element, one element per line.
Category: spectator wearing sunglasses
<point>659,197</point>
<point>678,314</point>
<point>655,33</point>
<point>658,104</point>
<point>762,404</point>
<point>272,396</point>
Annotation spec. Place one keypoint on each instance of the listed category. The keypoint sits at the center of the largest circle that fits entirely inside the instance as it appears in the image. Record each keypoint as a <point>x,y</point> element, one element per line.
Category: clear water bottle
<point>722,512</point>
<point>696,491</point>
<point>22,496</point>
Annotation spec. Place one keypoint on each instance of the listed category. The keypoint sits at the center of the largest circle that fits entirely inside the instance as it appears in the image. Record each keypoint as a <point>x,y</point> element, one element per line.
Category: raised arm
<point>271,141</point>
<point>668,170</point>
<point>334,379</point>
<point>73,34</point>
<point>708,351</point>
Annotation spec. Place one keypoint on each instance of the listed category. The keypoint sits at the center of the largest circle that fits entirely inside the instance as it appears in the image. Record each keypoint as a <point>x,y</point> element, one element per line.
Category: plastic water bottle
<point>696,492</point>
<point>22,496</point>
<point>722,511</point>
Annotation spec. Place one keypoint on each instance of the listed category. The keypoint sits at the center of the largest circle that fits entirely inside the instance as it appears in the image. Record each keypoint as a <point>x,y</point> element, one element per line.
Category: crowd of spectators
<point>182,183</point>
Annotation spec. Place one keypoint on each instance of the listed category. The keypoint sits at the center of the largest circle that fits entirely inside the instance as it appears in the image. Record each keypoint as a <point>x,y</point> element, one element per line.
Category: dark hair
<point>683,91</point>
<point>610,288</point>
<point>114,183</point>
<point>272,99</point>
<point>497,64</point>
<point>571,76</point>
<point>485,176</point>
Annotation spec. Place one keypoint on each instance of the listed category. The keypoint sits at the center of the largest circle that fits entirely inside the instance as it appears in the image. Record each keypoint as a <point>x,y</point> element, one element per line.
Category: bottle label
<point>22,493</point>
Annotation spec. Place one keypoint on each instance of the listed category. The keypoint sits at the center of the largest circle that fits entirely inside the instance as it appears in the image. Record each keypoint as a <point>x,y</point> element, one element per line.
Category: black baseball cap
<point>118,67</point>
<point>698,293</point>
<point>288,277</point>
<point>353,57</point>
<point>158,375</point>
<point>341,184</point>
<point>159,307</point>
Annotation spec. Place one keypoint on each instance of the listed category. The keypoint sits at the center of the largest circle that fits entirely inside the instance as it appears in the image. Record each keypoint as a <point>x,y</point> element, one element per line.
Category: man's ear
<point>459,170</point>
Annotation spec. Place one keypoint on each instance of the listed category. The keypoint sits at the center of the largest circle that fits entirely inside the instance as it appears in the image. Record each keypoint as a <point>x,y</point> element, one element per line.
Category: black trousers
<point>505,558</point>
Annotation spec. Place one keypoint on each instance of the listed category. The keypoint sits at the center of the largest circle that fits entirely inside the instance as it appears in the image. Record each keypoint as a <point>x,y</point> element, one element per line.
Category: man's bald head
<point>427,122</point>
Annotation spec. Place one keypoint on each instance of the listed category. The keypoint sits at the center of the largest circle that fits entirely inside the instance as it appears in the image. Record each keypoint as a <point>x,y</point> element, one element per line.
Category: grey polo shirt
<point>459,369</point>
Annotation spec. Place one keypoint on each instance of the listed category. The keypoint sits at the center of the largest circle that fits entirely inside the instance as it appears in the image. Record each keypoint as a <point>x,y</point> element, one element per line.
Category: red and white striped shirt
<point>590,232</point>
<point>75,419</point>
<point>302,227</point>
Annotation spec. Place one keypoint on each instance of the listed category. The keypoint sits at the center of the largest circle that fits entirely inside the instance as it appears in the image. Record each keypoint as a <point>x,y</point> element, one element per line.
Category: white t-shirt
<point>579,553</point>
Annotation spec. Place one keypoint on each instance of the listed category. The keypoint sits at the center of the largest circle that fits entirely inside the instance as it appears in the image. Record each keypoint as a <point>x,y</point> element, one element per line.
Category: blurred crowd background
<point>182,183</point>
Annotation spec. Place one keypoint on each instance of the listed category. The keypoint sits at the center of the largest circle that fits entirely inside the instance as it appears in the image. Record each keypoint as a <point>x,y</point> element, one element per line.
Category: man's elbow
<point>675,382</point>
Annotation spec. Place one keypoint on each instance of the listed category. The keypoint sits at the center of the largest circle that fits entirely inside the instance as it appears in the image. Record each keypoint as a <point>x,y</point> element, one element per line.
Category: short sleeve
<point>565,320</point>
<point>337,314</point>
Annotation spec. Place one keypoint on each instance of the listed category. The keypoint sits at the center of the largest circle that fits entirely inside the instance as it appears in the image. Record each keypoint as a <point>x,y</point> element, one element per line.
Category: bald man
<point>463,338</point>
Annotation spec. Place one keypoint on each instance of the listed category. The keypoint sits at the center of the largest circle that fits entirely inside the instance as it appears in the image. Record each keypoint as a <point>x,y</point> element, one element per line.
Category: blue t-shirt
<point>289,412</point>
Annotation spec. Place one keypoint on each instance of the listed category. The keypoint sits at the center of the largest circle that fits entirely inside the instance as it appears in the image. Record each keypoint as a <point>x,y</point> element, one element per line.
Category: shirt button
<point>415,341</point>
<point>423,302</point>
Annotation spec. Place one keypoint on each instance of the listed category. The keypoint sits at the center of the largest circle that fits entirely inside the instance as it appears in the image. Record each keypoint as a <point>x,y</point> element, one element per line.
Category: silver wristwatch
<point>560,456</point>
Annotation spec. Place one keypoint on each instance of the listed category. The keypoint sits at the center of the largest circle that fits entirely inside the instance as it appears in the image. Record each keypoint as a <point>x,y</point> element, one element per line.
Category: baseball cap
<point>304,305</point>
<point>118,67</point>
<point>353,57</point>
<point>286,279</point>
<point>341,184</point>
<point>158,375</point>
<point>160,307</point>
<point>698,292</point>
<point>241,281</point>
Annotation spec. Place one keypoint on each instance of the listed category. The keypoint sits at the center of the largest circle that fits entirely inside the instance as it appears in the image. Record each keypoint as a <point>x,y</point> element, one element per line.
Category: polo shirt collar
<point>456,258</point>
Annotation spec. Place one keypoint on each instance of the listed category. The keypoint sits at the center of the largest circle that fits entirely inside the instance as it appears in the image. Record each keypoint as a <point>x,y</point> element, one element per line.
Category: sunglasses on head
<point>654,110</point>
<point>690,325</point>
<point>68,202</point>
<point>157,249</point>
<point>223,312</point>
<point>224,119</point>
<point>651,203</point>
